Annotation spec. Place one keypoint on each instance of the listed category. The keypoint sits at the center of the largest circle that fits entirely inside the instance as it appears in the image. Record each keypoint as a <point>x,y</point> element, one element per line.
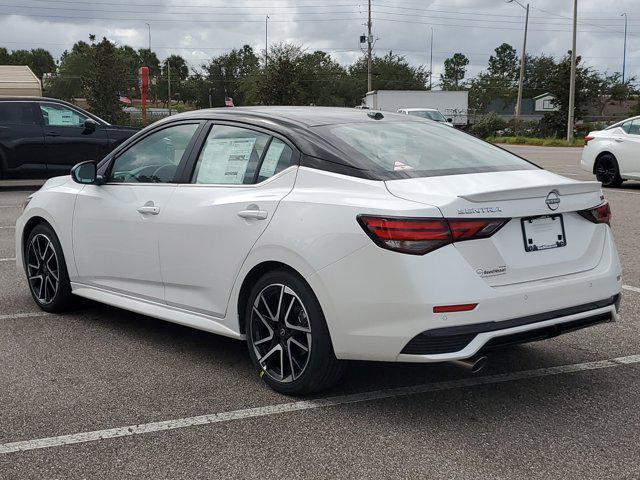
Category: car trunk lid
<point>545,237</point>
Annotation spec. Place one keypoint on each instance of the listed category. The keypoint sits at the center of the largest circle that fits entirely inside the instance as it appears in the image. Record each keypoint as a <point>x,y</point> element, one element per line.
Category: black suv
<point>45,137</point>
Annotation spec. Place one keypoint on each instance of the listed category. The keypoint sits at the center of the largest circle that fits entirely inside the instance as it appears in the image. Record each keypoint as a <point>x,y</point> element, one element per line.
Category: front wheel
<point>287,336</point>
<point>608,171</point>
<point>46,270</point>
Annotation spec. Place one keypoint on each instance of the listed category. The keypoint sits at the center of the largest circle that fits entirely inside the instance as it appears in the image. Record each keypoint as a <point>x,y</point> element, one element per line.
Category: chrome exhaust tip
<point>473,364</point>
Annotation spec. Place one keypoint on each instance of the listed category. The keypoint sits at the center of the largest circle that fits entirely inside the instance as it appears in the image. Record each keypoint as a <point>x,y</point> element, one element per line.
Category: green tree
<point>455,68</point>
<point>389,72</point>
<point>538,73</point>
<point>74,66</point>
<point>105,79</point>
<point>179,73</point>
<point>498,82</point>
<point>505,63</point>
<point>229,75</point>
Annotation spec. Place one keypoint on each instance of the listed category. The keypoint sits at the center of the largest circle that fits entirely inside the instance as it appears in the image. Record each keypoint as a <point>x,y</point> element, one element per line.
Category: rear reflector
<point>454,308</point>
<point>418,236</point>
<point>600,214</point>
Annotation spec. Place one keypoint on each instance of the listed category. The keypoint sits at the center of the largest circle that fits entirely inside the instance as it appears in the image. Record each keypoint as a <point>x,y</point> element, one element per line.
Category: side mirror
<point>85,173</point>
<point>450,120</point>
<point>90,126</point>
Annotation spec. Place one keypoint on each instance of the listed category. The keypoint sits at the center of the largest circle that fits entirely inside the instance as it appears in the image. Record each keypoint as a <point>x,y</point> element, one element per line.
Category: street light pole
<point>624,51</point>
<point>369,47</point>
<point>431,61</point>
<point>149,27</point>
<point>572,82</point>
<point>266,40</point>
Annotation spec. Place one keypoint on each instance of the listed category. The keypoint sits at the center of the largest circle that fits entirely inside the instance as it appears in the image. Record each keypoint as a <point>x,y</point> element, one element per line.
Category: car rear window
<point>17,113</point>
<point>418,149</point>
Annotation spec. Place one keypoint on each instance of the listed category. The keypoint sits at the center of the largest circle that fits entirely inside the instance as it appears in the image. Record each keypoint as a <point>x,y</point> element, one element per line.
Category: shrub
<point>488,125</point>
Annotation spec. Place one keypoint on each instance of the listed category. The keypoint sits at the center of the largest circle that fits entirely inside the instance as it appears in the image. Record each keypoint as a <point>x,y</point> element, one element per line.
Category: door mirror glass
<point>85,173</point>
<point>450,120</point>
<point>90,126</point>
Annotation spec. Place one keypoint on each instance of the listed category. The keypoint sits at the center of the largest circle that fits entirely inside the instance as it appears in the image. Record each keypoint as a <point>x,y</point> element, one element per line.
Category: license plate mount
<point>543,232</point>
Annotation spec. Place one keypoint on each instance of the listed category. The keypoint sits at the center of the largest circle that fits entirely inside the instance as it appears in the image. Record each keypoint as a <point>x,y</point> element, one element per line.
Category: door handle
<point>149,210</point>
<point>619,140</point>
<point>254,214</point>
<point>52,134</point>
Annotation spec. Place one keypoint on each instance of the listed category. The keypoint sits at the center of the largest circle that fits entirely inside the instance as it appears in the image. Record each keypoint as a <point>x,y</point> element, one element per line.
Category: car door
<point>21,140</point>
<point>67,140</point>
<point>627,146</point>
<point>117,224</point>
<point>237,180</point>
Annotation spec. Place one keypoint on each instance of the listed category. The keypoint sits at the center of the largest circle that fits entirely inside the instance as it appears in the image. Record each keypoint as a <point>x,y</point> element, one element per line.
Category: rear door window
<point>278,157</point>
<point>17,113</point>
<point>230,156</point>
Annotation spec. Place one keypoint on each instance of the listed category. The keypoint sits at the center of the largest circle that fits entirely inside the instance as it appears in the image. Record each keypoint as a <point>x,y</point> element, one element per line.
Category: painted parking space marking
<point>10,316</point>
<point>7,227</point>
<point>96,435</point>
<point>8,259</point>
<point>631,289</point>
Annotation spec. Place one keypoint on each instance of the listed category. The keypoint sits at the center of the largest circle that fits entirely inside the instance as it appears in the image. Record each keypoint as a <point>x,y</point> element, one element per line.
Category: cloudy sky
<point>199,29</point>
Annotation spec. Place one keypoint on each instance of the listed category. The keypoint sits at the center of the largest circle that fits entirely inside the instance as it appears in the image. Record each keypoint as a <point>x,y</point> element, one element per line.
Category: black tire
<point>299,310</point>
<point>608,172</point>
<point>47,267</point>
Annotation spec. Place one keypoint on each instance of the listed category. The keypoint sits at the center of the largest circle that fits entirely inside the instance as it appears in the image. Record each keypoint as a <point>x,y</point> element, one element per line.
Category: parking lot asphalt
<point>192,406</point>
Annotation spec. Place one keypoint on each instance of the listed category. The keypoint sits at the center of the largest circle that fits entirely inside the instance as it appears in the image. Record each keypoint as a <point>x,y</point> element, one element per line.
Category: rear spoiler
<point>573,188</point>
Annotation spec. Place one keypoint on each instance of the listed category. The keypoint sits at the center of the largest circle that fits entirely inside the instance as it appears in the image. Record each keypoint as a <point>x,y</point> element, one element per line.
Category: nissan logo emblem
<point>553,200</point>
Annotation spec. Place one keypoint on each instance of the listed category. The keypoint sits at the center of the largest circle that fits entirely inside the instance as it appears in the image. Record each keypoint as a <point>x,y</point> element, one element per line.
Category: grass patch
<point>541,142</point>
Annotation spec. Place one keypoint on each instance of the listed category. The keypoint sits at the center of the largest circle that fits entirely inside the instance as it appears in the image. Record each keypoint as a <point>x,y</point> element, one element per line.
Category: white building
<point>545,103</point>
<point>19,80</point>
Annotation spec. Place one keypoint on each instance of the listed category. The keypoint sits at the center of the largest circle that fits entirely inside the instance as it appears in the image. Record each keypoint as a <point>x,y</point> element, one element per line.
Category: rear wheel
<point>608,171</point>
<point>46,270</point>
<point>287,336</point>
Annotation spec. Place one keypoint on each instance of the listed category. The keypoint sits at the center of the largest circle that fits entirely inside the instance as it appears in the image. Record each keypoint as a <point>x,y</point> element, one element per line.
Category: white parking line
<point>631,289</point>
<point>9,206</point>
<point>96,435</point>
<point>7,226</point>
<point>23,315</point>
<point>8,259</point>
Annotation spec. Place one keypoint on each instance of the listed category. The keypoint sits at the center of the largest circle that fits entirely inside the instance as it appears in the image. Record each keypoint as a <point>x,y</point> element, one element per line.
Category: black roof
<point>286,115</point>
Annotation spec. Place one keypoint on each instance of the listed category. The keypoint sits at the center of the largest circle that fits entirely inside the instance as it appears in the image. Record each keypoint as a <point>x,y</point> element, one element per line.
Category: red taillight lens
<point>418,236</point>
<point>601,214</point>
<point>587,139</point>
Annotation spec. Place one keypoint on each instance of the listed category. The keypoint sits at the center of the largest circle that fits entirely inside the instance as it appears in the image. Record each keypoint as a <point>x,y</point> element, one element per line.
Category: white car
<point>427,113</point>
<point>320,235</point>
<point>613,154</point>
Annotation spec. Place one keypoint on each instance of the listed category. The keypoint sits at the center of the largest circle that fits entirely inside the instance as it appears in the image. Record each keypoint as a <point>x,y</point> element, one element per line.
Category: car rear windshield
<point>394,150</point>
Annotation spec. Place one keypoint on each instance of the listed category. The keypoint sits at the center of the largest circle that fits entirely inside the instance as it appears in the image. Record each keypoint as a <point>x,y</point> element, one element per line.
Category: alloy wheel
<point>606,171</point>
<point>43,269</point>
<point>280,333</point>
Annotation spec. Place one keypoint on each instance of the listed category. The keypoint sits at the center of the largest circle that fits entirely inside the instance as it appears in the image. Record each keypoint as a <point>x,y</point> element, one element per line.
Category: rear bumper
<point>376,301</point>
<point>451,343</point>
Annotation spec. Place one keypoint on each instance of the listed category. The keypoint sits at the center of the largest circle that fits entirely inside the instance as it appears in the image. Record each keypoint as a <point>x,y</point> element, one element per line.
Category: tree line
<point>290,75</point>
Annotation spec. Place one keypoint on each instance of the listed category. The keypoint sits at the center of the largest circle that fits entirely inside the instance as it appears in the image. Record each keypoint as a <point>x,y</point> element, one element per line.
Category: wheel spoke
<point>267,307</point>
<point>298,344</point>
<point>277,317</point>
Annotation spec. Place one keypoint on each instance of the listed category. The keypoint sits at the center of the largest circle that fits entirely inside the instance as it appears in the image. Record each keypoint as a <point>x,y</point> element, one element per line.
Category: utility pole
<point>266,40</point>
<point>149,27</point>
<point>431,61</point>
<point>369,47</point>
<point>624,52</point>
<point>522,60</point>
<point>572,82</point>
<point>169,84</point>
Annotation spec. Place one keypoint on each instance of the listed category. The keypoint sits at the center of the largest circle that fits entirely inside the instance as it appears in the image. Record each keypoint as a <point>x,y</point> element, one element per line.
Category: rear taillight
<point>587,139</point>
<point>418,236</point>
<point>601,214</point>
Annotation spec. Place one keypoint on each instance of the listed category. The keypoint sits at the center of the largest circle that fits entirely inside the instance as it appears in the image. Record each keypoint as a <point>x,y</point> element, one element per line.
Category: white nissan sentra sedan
<point>320,235</point>
<point>613,154</point>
